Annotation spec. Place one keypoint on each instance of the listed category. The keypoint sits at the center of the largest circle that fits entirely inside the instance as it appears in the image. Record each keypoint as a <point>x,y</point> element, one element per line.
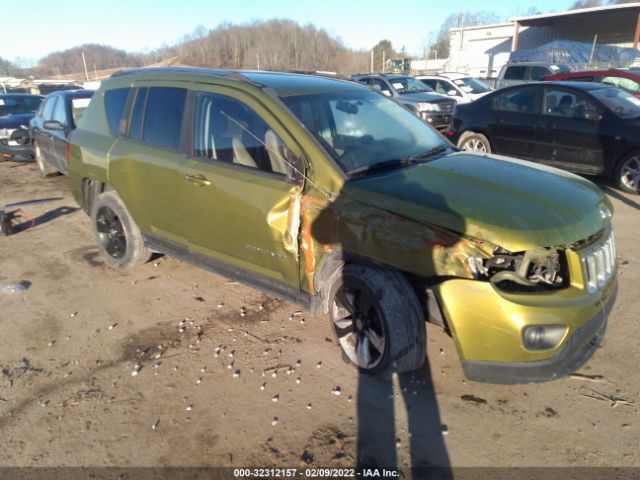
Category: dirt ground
<point>159,366</point>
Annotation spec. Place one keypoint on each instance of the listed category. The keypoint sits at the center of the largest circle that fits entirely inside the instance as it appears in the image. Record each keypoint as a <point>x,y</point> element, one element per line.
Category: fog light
<point>543,337</point>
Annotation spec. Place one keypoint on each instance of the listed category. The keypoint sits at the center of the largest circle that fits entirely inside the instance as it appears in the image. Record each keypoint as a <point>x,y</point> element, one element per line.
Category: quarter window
<point>163,117</point>
<point>228,131</point>
<point>114,102</point>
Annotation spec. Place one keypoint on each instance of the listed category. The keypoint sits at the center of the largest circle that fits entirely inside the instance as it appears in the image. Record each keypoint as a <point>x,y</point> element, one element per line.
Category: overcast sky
<point>137,25</point>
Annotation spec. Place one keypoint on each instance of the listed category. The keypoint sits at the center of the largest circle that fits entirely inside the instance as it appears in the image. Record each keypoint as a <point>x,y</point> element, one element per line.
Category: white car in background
<point>461,87</point>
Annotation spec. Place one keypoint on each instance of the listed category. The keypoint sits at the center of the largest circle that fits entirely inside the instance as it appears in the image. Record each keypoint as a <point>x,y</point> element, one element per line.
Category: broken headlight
<point>542,268</point>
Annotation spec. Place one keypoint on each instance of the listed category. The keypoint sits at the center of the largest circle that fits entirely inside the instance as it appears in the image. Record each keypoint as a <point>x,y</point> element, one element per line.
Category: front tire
<point>627,173</point>
<point>474,142</point>
<point>45,169</point>
<point>117,235</point>
<point>377,320</point>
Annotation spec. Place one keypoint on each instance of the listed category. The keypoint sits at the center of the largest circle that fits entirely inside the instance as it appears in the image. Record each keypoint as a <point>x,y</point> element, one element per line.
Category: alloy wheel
<point>358,326</point>
<point>630,173</point>
<point>474,145</point>
<point>111,232</point>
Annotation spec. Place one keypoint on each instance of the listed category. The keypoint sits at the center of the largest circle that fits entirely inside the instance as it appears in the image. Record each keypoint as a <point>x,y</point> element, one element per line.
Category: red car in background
<point>628,80</point>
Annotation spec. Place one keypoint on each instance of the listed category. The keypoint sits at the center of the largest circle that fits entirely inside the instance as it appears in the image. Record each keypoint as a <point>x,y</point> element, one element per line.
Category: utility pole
<point>84,62</point>
<point>383,60</point>
<point>95,72</point>
<point>258,60</point>
<point>371,70</point>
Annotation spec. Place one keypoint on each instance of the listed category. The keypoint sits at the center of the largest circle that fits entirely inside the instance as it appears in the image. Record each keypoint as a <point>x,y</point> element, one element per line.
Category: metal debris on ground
<point>12,288</point>
<point>610,399</point>
<point>587,378</point>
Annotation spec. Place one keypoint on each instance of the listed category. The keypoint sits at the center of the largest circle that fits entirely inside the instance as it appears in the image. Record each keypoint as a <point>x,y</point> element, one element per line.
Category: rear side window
<point>523,101</point>
<point>163,116</point>
<point>538,72</point>
<point>114,103</point>
<point>515,73</point>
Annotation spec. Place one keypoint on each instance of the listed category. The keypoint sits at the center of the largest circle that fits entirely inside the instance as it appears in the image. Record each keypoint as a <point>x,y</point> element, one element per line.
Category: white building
<point>481,51</point>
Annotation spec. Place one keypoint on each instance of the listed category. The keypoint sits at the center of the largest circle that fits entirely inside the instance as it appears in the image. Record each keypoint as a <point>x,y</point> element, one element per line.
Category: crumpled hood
<point>15,120</point>
<point>515,204</point>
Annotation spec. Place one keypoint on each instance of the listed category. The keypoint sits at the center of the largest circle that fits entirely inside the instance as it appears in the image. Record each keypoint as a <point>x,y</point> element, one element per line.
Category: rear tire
<point>45,169</point>
<point>474,142</point>
<point>117,235</point>
<point>627,173</point>
<point>377,320</point>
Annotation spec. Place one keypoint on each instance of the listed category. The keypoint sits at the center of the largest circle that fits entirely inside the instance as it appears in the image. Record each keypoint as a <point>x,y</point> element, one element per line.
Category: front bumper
<point>486,325</point>
<point>440,121</point>
<point>15,153</point>
<point>576,352</point>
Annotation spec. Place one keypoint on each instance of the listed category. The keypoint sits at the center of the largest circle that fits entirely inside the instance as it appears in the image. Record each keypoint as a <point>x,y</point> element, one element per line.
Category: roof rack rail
<point>210,71</point>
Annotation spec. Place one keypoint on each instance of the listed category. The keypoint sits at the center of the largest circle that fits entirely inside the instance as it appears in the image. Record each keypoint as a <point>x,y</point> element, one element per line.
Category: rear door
<point>58,138</point>
<point>241,205</point>
<point>569,134</point>
<point>145,163</point>
<point>513,75</point>
<point>40,135</point>
<point>514,117</point>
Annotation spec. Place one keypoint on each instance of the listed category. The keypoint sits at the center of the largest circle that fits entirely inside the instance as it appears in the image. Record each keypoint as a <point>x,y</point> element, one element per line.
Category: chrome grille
<point>599,264</point>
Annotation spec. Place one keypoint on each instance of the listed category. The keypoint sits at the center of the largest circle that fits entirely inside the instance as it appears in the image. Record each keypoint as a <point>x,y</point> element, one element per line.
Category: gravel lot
<point>159,367</point>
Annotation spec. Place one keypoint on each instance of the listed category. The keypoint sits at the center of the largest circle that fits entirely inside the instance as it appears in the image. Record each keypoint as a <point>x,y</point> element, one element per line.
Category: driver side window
<point>227,130</point>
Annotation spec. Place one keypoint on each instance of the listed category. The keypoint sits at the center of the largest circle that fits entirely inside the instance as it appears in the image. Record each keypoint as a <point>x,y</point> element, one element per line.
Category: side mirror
<point>53,125</point>
<point>294,174</point>
<point>452,93</point>
<point>386,93</point>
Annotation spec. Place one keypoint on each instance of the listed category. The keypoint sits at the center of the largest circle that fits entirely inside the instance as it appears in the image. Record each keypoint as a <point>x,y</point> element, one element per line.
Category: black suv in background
<point>16,109</point>
<point>49,129</point>
<point>433,108</point>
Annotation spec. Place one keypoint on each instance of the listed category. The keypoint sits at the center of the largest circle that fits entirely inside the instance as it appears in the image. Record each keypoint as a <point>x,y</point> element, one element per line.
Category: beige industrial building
<point>481,51</point>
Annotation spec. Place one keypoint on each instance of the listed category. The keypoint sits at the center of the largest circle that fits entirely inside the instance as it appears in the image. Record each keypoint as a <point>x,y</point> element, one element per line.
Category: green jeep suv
<point>326,193</point>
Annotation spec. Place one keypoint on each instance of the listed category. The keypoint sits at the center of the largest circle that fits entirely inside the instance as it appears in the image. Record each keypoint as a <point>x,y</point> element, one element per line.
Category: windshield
<point>622,103</point>
<point>472,85</point>
<point>14,105</point>
<point>363,128</point>
<point>409,85</point>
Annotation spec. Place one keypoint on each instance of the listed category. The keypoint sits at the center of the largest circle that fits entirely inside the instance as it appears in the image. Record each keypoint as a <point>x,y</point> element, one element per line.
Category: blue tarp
<point>568,53</point>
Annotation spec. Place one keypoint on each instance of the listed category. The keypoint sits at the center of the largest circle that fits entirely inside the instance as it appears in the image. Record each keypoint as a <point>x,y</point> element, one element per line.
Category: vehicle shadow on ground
<point>28,223</point>
<point>380,444</point>
<point>618,195</point>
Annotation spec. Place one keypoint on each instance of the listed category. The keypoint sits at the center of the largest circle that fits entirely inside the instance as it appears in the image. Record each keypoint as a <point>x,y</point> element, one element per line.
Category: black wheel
<point>474,142</point>
<point>377,319</point>
<point>117,234</point>
<point>45,169</point>
<point>627,173</point>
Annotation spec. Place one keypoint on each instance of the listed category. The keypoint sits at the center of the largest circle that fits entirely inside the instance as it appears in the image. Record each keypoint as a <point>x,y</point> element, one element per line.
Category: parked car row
<point>36,127</point>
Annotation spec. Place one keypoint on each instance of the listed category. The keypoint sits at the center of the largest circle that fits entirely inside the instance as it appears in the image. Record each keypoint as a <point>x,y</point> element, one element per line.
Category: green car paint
<point>439,221</point>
